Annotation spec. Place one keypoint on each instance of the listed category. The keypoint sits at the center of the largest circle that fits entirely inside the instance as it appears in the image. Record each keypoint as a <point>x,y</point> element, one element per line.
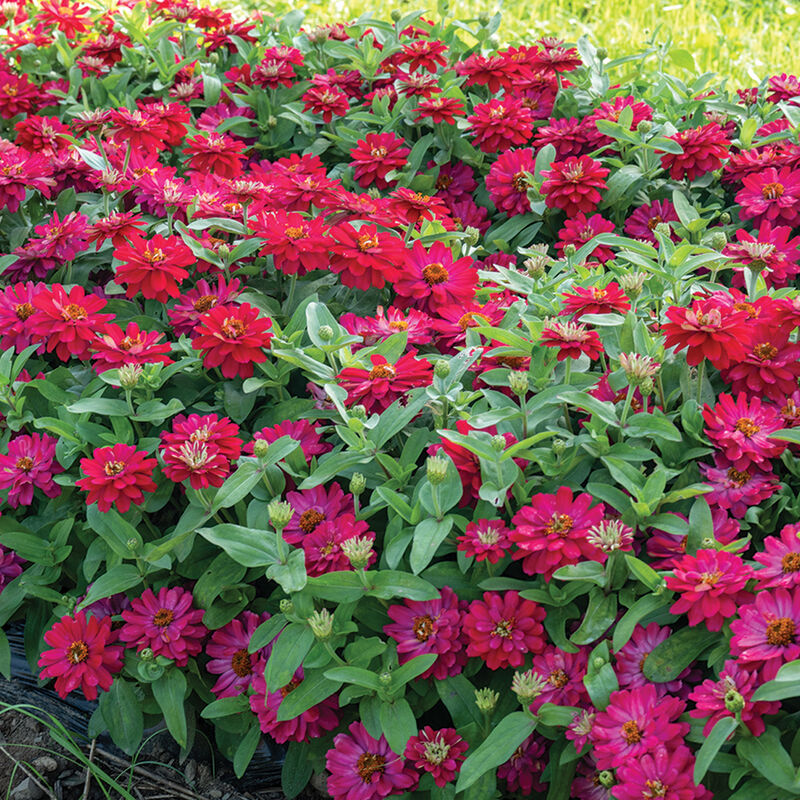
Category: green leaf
<point>239,485</point>
<point>711,745</point>
<point>169,691</point>
<point>101,406</point>
<point>313,689</point>
<point>600,615</point>
<point>428,535</point>
<point>769,758</point>
<point>654,425</point>
<point>668,659</point>
<point>297,769</point>
<point>291,576</point>
<point>354,675</point>
<point>497,748</point>
<point>388,584</point>
<point>122,713</point>
<point>701,525</point>
<point>643,572</point>
<point>246,749</point>
<point>398,724</point>
<point>115,531</point>
<point>589,571</point>
<point>784,685</point>
<point>266,632</point>
<point>288,652</point>
<point>413,668</point>
<point>246,546</point>
<point>600,679</point>
<point>226,707</point>
<point>458,695</point>
<point>117,579</point>
<point>644,606</point>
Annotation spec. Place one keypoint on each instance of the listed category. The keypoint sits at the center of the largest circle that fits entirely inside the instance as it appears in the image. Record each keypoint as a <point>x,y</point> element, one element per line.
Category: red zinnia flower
<point>30,462</point>
<point>704,148</point>
<point>323,546</point>
<point>411,206</point>
<point>707,330</point>
<point>569,136</point>
<point>500,124</point>
<point>166,623</point>
<point>302,431</point>
<point>377,388</point>
<point>376,156</point>
<point>574,184</point>
<point>430,626</point>
<point>486,539</point>
<point>326,101</point>
<point>142,131</point>
<point>491,71</point>
<point>187,312</point>
<point>781,560</point>
<point>438,752</point>
<point>440,109</point>
<point>642,222</point>
<point>20,171</point>
<point>580,229</point>
<point>711,587</point>
<point>365,257</point>
<point>666,773</point>
<point>117,475</point>
<point>502,628</point>
<point>551,532</point>
<point>432,279</point>
<point>16,308</point>
<point>523,771</point>
<point>386,323</point>
<point>215,153</point>
<point>770,251</point>
<point>427,54</point>
<point>115,347</point>
<point>67,322</point>
<point>82,655</point>
<point>296,243</point>
<point>741,429</point>
<point>508,182</point>
<point>233,338</point>
<point>153,266</point>
<point>771,195</point>
<point>117,227</point>
<point>572,339</point>
<point>595,300</point>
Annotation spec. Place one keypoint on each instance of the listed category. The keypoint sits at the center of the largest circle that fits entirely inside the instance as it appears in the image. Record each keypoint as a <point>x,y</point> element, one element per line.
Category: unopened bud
<point>68,601</point>
<point>536,265</point>
<point>473,236</point>
<point>374,192</point>
<point>260,448</point>
<point>486,700</point>
<point>326,333</point>
<point>286,606</point>
<point>358,411</point>
<point>518,382</point>
<point>132,544</point>
<point>708,543</point>
<point>527,686</point>
<point>598,662</point>
<point>644,126</point>
<point>272,122</point>
<point>569,250</point>
<point>441,369</point>
<point>725,218</point>
<point>638,367</point>
<point>397,15</point>
<point>321,624</point>
<point>602,53</point>
<point>224,252</point>
<point>10,10</point>
<point>358,551</point>
<point>436,468</point>
<point>734,701</point>
<point>483,18</point>
<point>129,375</point>
<point>647,387</point>
<point>606,778</point>
<point>385,679</point>
<point>498,443</point>
<point>280,512</point>
<point>663,228</point>
<point>357,484</point>
<point>147,654</point>
<point>632,283</point>
<point>718,240</point>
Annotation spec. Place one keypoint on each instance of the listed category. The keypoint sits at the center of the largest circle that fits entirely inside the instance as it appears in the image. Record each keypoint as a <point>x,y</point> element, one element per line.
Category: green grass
<point>740,40</point>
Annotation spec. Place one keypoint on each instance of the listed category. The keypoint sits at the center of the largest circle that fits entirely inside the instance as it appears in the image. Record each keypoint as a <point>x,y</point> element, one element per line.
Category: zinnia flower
<point>563,675</point>
<point>30,462</point>
<point>115,347</point>
<point>573,339</point>
<point>215,153</point>
<point>311,507</point>
<point>574,184</point>
<point>500,124</point>
<point>780,559</point>
<point>508,181</point>
<point>363,768</point>
<point>166,623</point>
<point>82,654</point>
<point>704,148</point>
<point>664,773</point>
<point>323,547</point>
<point>230,658</point>
<point>523,771</point>
<point>595,300</point>
<point>365,257</point>
<point>772,195</point>
<point>580,229</point>
<point>375,156</point>
<point>642,222</point>
<point>735,489</point>
<point>117,475</point>
<point>190,307</point>
<point>438,752</point>
<point>153,266</point>
<point>486,539</point>
<point>503,628</point>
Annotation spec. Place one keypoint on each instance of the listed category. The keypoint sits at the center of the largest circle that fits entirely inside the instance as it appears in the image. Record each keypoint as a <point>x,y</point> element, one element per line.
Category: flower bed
<point>427,408</point>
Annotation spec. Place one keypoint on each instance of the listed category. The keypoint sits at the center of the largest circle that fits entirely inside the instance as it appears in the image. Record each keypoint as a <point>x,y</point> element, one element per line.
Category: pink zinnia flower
<point>117,475</point>
<point>311,724</point>
<point>664,773</point>
<point>230,658</point>
<point>642,222</point>
<point>711,699</point>
<point>323,546</point>
<point>166,623</point>
<point>375,156</point>
<point>595,300</point>
<point>82,654</point>
<point>500,124</point>
<point>737,490</point>
<point>772,195</point>
<point>115,347</point>
<point>768,630</point>
<point>711,587</point>
<point>305,433</point>
<point>311,507</point>
<point>631,659</point>
<point>438,752</point>
<point>486,539</point>
<point>573,339</point>
<point>190,307</point>
<point>16,308</point>
<point>502,628</point>
<point>10,567</point>
<point>635,722</point>
<point>30,462</point>
<point>563,674</point>
<point>769,251</point>
<point>551,532</point>
<point>363,768</point>
<point>781,560</point>
<point>523,771</point>
<point>508,181</point>
<point>741,430</point>
<point>430,626</point>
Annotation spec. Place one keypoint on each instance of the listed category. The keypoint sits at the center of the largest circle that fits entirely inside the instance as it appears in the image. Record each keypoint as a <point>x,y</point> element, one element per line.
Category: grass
<point>740,40</point>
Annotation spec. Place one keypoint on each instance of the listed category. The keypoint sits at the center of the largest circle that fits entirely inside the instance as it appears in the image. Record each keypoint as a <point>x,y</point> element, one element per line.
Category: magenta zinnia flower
<point>30,462</point>
<point>363,768</point>
<point>580,229</point>
<point>703,151</point>
<point>768,630</point>
<point>563,674</point>
<point>230,658</point>
<point>523,771</point>
<point>167,624</point>
<point>741,430</point>
<point>438,752</point>
<point>500,124</point>
<point>665,773</point>
<point>573,339</point>
<point>574,184</point>
<point>551,532</point>
<point>711,587</point>
<point>502,628</point>
<point>781,560</point>
<point>430,626</point>
<point>737,490</point>
<point>10,567</point>
<point>772,195</point>
<point>631,659</point>
<point>508,181</point>
<point>641,223</point>
<point>323,546</point>
<point>117,476</point>
<point>486,539</point>
<point>312,507</point>
<point>82,654</point>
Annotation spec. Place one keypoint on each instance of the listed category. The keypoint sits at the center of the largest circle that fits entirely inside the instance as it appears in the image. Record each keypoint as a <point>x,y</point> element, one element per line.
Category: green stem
<point>627,407</point>
<point>567,371</point>
<point>701,372</point>
<point>334,655</point>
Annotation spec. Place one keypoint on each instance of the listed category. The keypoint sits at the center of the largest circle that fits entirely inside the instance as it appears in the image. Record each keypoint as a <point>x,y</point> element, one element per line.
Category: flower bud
<point>638,367</point>
<point>647,387</point>
<point>486,700</point>
<point>385,679</point>
<point>260,448</point>
<point>527,686</point>
<point>569,250</point>
<point>132,544</point>
<point>129,375</point>
<point>436,468</point>
<point>535,265</point>
<point>396,15</point>
<point>664,229</point>
<point>632,283</point>
<point>644,126</point>
<point>357,484</point>
<point>280,512</point>
<point>518,382</point>
<point>224,252</point>
<point>718,240</point>
<point>358,550</point>
<point>321,624</point>
<point>498,443</point>
<point>441,369</point>
<point>326,333</point>
<point>473,236</point>
<point>734,701</point>
<point>147,654</point>
<point>709,544</point>
<point>286,606</point>
<point>602,53</point>
<point>483,18</point>
<point>272,122</point>
<point>598,662</point>
<point>725,218</point>
<point>358,412</point>
<point>606,778</point>
<point>10,10</point>
<point>69,601</point>
<point>558,447</point>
